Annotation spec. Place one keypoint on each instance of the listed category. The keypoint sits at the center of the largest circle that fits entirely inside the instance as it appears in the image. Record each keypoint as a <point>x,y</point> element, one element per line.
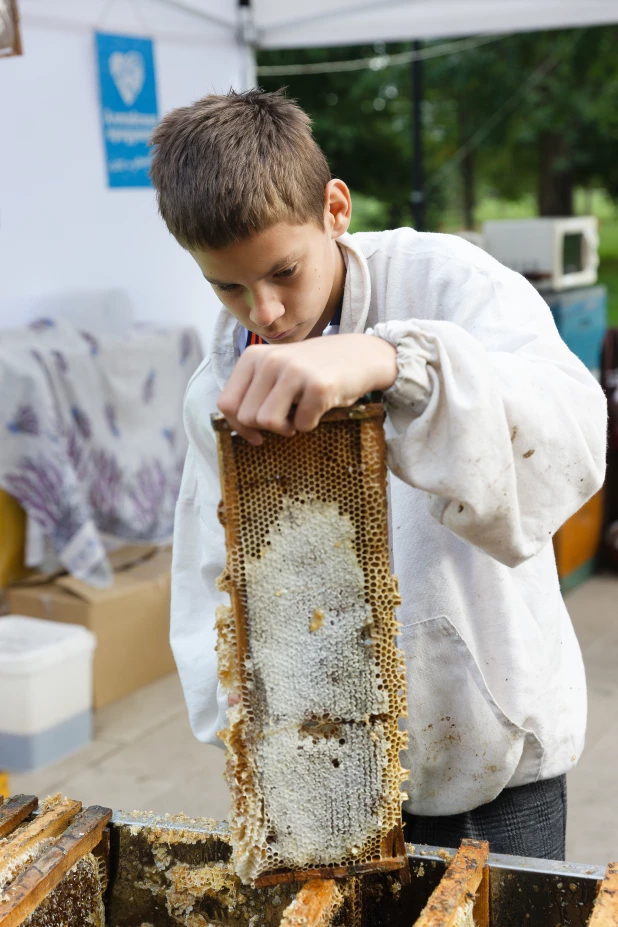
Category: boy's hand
<point>314,375</point>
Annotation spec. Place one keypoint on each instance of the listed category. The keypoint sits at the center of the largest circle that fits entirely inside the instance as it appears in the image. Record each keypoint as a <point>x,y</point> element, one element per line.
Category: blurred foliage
<point>362,122</point>
<point>559,131</point>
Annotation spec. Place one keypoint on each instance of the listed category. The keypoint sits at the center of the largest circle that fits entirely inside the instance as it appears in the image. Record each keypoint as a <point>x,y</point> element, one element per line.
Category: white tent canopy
<point>283,24</point>
<point>254,24</point>
<point>296,24</point>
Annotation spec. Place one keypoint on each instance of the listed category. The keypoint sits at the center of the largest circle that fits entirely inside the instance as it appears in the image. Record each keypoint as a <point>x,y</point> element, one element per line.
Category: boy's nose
<point>265,309</point>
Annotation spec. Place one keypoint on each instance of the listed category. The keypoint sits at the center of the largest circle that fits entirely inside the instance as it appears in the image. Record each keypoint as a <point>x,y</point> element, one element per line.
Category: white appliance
<point>554,254</point>
<point>475,238</point>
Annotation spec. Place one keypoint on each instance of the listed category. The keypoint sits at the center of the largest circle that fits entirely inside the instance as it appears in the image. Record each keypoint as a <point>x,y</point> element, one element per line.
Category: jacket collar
<point>355,308</point>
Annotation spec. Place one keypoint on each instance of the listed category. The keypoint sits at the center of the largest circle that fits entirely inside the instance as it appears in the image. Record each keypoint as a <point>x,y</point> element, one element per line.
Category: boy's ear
<point>337,208</point>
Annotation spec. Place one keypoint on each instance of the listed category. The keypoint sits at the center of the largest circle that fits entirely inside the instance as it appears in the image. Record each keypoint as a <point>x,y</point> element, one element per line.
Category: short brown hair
<point>229,166</point>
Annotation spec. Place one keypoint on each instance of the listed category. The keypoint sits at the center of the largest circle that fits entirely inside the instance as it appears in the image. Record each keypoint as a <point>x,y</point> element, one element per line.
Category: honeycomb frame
<point>331,484</point>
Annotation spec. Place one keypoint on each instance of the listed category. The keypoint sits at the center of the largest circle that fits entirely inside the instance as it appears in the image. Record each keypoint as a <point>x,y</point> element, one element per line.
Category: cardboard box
<point>130,619</point>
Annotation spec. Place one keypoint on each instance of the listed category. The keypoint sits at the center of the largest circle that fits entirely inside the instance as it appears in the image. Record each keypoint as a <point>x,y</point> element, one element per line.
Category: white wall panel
<point>61,227</point>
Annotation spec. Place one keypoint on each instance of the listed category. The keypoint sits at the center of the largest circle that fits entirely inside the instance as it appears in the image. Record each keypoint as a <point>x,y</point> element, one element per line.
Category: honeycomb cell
<point>309,647</point>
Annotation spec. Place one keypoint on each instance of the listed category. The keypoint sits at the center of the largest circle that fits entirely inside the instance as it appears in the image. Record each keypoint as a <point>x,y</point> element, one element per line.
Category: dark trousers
<point>528,820</point>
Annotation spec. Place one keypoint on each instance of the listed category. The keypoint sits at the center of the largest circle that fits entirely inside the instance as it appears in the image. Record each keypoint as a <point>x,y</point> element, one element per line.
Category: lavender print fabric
<point>92,443</point>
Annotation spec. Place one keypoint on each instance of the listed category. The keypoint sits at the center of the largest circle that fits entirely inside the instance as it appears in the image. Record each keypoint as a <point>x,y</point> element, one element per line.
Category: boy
<point>496,436</point>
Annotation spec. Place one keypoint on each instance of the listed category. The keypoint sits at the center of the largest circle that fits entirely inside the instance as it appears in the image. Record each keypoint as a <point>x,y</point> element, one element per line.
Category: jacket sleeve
<point>493,416</point>
<point>198,559</point>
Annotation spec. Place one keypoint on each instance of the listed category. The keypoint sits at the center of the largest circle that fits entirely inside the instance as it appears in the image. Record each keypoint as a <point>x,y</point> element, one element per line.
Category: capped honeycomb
<point>76,901</point>
<point>308,649</point>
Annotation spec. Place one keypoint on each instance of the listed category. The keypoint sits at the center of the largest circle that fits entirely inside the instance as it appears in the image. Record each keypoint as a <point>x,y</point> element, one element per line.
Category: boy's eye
<point>288,272</point>
<point>226,287</point>
<point>280,275</point>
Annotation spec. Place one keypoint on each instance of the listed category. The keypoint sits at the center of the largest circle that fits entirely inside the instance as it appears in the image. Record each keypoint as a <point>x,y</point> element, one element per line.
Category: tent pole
<point>248,41</point>
<point>418,195</point>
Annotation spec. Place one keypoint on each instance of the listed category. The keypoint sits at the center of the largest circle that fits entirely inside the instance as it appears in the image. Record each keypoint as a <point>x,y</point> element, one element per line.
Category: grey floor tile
<point>602,714</point>
<point>203,794</point>
<point>119,791</point>
<point>593,785</point>
<point>169,746</point>
<point>131,717</point>
<point>593,804</point>
<point>601,661</point>
<point>46,781</point>
<point>593,608</point>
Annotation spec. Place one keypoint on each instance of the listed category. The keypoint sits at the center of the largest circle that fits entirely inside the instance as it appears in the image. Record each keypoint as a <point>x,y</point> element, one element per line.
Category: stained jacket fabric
<point>496,435</point>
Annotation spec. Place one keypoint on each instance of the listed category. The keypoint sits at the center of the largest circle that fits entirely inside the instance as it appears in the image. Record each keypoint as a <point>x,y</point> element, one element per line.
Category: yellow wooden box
<point>576,544</point>
<point>12,540</point>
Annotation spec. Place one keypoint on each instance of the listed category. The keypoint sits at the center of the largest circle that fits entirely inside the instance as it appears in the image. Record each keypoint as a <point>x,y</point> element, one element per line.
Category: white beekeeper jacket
<point>497,435</point>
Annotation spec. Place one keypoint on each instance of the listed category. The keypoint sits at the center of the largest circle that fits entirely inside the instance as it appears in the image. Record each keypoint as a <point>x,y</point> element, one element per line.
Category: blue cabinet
<point>581,318</point>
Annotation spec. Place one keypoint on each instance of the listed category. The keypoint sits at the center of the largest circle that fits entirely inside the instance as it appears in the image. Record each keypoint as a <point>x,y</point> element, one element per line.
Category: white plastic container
<point>45,691</point>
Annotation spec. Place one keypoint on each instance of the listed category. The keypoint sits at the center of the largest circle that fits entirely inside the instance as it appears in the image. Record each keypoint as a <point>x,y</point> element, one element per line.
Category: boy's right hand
<point>314,375</point>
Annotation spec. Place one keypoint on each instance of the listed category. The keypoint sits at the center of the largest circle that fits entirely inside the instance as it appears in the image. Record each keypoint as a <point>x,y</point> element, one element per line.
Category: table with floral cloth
<point>92,439</point>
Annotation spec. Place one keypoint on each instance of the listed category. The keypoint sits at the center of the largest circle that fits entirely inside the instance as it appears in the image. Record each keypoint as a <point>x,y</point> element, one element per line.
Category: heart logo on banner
<point>127,69</point>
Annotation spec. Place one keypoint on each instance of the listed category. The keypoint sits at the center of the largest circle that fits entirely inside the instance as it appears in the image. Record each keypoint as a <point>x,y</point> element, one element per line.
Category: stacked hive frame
<point>49,873</point>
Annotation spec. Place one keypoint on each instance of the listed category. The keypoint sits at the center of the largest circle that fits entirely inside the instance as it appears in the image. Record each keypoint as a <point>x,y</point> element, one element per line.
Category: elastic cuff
<point>410,391</point>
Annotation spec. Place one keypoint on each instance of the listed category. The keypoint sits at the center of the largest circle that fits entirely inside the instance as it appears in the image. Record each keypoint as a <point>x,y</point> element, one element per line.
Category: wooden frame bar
<point>50,823</point>
<point>36,882</point>
<point>14,811</point>
<point>282,876</point>
<point>394,859</point>
<point>314,906</point>
<point>605,911</point>
<point>460,884</point>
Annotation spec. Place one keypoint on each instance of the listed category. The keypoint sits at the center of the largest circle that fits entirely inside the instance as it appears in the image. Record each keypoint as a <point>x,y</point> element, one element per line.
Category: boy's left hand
<point>314,375</point>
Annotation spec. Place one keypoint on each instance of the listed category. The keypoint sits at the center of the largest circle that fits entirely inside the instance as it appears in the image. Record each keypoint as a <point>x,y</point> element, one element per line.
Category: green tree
<point>550,100</point>
<point>362,121</point>
<point>525,112</point>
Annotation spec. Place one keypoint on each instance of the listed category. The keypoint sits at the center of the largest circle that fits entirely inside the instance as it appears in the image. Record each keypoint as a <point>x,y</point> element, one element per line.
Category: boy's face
<point>286,282</point>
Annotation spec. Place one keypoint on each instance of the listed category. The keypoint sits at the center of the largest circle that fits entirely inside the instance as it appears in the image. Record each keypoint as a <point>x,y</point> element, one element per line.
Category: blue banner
<point>128,106</point>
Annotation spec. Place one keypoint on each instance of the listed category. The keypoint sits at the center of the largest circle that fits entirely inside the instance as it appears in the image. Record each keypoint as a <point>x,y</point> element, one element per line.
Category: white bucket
<point>45,691</point>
